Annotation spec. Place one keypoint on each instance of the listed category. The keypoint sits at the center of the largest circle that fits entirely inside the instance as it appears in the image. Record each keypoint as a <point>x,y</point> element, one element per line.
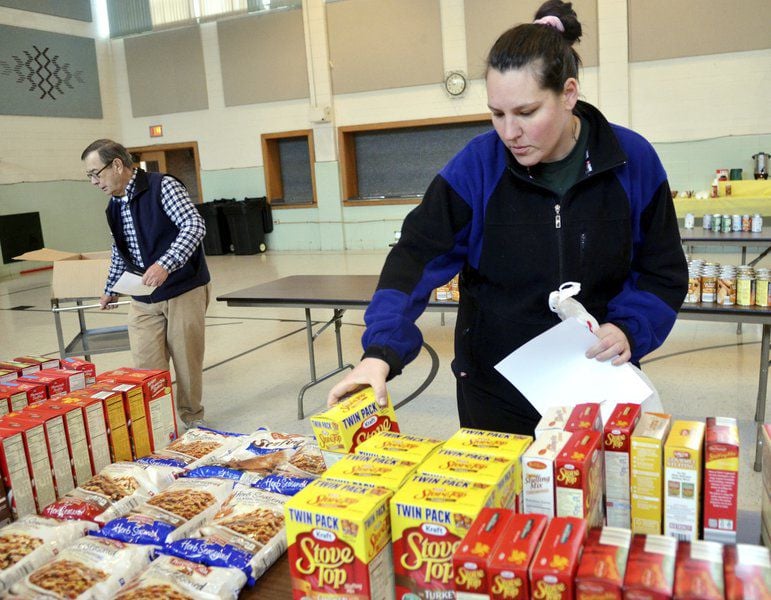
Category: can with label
<point>708,284</point>
<point>746,223</point>
<point>736,223</point>
<point>744,290</point>
<point>689,220</point>
<point>761,290</point>
<point>706,222</point>
<point>717,222</point>
<point>726,225</point>
<point>757,223</point>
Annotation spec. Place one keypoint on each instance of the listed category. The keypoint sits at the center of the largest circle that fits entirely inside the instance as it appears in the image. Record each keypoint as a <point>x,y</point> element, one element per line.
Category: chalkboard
<point>19,233</point>
<point>296,179</point>
<point>401,162</point>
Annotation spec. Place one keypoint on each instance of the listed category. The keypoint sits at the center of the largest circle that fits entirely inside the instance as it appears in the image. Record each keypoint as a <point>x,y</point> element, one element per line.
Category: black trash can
<point>246,227</point>
<point>217,240</point>
<point>267,215</point>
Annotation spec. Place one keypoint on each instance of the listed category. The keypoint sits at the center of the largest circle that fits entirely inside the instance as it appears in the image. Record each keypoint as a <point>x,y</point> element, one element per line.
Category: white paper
<point>552,369</point>
<point>131,285</point>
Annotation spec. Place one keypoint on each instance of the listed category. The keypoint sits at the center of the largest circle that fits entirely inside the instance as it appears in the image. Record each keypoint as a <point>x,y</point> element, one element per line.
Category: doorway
<point>180,160</point>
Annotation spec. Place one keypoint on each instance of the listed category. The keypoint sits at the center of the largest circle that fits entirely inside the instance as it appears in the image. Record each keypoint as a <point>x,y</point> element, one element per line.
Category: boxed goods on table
<point>341,428</point>
<point>617,443</point>
<point>747,572</point>
<point>338,539</point>
<point>23,393</point>
<point>498,472</point>
<point>603,564</point>
<point>58,448</point>
<point>511,557</point>
<point>508,445</point>
<point>650,568</point>
<point>16,477</point>
<point>56,385</point>
<point>8,375</point>
<point>699,571</point>
<point>389,473</point>
<point>585,416</point>
<point>76,380</point>
<point>36,450</point>
<point>471,559</point>
<point>553,570</point>
<point>134,414</point>
<point>115,418</point>
<point>11,399</point>
<point>578,476</point>
<point>21,368</point>
<point>554,419</point>
<point>683,479</point>
<point>721,479</point>
<point>647,472</point>
<point>538,477</point>
<point>405,447</point>
<point>41,362</point>
<point>159,401</point>
<point>429,518</point>
<point>78,364</point>
<point>96,429</point>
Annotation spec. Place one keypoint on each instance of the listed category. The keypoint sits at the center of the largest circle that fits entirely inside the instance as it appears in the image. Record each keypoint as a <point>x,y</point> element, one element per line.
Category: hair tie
<point>551,21</point>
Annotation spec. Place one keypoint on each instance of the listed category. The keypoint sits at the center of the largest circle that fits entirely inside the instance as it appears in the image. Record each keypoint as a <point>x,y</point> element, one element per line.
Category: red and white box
<point>76,380</point>
<point>617,444</point>
<point>58,448</point>
<point>36,450</point>
<point>553,571</point>
<point>79,364</point>
<point>159,401</point>
<point>578,475</point>
<point>538,480</point>
<point>747,571</point>
<point>25,393</point>
<point>8,375</point>
<point>603,564</point>
<point>75,432</point>
<point>508,568</point>
<point>585,416</point>
<point>721,479</point>
<point>21,368</point>
<point>15,470</point>
<point>471,557</point>
<point>554,419</point>
<point>96,430</point>
<point>42,362</point>
<point>650,568</point>
<point>115,419</point>
<point>699,571</point>
<point>56,385</point>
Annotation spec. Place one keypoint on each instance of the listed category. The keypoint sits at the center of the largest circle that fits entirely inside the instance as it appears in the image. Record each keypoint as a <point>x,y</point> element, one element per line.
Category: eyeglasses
<point>95,175</point>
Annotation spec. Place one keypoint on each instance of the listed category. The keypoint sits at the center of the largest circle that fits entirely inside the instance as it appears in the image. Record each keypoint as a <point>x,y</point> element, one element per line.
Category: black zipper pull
<point>557,218</point>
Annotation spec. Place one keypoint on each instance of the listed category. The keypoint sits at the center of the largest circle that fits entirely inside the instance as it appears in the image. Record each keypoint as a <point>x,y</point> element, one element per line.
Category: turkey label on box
<point>617,442</point>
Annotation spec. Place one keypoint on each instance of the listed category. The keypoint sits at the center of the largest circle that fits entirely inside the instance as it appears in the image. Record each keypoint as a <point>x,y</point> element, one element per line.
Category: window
<point>289,162</point>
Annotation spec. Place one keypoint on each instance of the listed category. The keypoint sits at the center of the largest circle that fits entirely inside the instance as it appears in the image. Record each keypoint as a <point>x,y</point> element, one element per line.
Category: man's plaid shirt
<point>177,205</point>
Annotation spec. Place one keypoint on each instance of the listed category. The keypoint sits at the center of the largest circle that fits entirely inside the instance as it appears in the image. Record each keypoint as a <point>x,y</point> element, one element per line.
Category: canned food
<point>706,222</point>
<point>717,222</point>
<point>745,292</point>
<point>726,225</point>
<point>694,289</point>
<point>708,288</point>
<point>746,223</point>
<point>726,291</point>
<point>736,223</point>
<point>761,291</point>
<point>757,223</point>
<point>689,220</point>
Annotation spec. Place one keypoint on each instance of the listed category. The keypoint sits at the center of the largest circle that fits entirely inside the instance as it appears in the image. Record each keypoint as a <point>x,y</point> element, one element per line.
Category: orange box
<point>15,470</point>
<point>75,431</point>
<point>134,409</point>
<point>32,392</point>
<point>36,450</point>
<point>603,564</point>
<point>115,419</point>
<point>56,385</point>
<point>683,479</point>
<point>647,472</point>
<point>58,449</point>
<point>159,401</point>
<point>721,479</point>
<point>617,445</point>
<point>76,380</point>
<point>79,364</point>
<point>96,430</point>
<point>42,362</point>
<point>699,571</point>
<point>20,367</point>
<point>538,475</point>
<point>747,572</point>
<point>585,416</point>
<point>554,566</point>
<point>471,559</point>
<point>578,476</point>
<point>650,568</point>
<point>512,555</point>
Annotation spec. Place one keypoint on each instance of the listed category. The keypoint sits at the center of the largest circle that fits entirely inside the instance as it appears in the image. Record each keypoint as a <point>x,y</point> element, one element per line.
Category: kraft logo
<point>324,536</point>
<point>369,422</point>
<point>433,529</point>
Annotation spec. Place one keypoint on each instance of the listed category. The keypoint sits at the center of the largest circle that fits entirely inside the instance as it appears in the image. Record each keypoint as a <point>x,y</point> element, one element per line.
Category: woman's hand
<point>370,371</point>
<point>612,345</point>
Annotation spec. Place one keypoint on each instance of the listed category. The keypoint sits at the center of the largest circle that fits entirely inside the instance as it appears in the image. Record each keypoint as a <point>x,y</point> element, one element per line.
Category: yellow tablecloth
<point>747,197</point>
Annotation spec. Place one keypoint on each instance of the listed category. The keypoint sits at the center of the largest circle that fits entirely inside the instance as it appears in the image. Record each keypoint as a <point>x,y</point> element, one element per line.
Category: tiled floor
<point>256,358</point>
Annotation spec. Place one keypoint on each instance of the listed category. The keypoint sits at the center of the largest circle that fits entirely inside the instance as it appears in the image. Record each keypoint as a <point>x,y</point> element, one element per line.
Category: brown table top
<point>732,238</point>
<point>273,585</point>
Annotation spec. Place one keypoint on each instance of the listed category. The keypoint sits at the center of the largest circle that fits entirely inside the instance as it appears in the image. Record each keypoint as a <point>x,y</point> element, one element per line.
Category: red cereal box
<point>650,568</point>
<point>585,416</point>
<point>41,361</point>
<point>58,450</point>
<point>721,479</point>
<point>511,557</point>
<point>8,397</point>
<point>20,367</point>
<point>36,451</point>
<point>23,393</point>
<point>56,385</point>
<point>16,477</point>
<point>159,401</point>
<point>747,571</point>
<point>471,558</point>
<point>617,445</point>
<point>8,375</point>
<point>96,429</point>
<point>578,475</point>
<point>603,564</point>
<point>699,571</point>
<point>554,566</point>
<point>76,380</point>
<point>79,364</point>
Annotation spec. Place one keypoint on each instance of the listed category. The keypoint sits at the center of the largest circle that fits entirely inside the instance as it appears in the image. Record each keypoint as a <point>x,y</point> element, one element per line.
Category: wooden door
<point>153,162</point>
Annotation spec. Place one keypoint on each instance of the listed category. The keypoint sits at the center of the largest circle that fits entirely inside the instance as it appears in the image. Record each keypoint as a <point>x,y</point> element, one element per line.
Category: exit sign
<point>156,130</point>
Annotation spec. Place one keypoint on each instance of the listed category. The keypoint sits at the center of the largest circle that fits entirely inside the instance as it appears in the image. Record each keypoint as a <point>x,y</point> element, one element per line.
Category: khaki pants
<point>173,328</point>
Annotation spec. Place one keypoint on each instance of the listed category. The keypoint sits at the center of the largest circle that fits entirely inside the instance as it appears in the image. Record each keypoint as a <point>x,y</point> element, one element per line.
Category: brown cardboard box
<point>75,275</point>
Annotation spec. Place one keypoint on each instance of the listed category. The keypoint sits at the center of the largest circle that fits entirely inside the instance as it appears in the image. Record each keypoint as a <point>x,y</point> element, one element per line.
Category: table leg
<point>760,406</point>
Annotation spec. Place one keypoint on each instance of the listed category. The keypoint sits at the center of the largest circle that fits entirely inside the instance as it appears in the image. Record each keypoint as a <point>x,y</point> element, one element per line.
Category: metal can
<point>708,288</point>
<point>761,291</point>
<point>717,222</point>
<point>745,295</point>
<point>694,289</point>
<point>746,223</point>
<point>726,225</point>
<point>689,220</point>
<point>706,221</point>
<point>757,223</point>
<point>736,223</point>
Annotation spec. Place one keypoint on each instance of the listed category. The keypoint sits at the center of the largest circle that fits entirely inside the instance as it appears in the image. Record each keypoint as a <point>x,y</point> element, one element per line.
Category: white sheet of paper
<point>552,370</point>
<point>132,285</point>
